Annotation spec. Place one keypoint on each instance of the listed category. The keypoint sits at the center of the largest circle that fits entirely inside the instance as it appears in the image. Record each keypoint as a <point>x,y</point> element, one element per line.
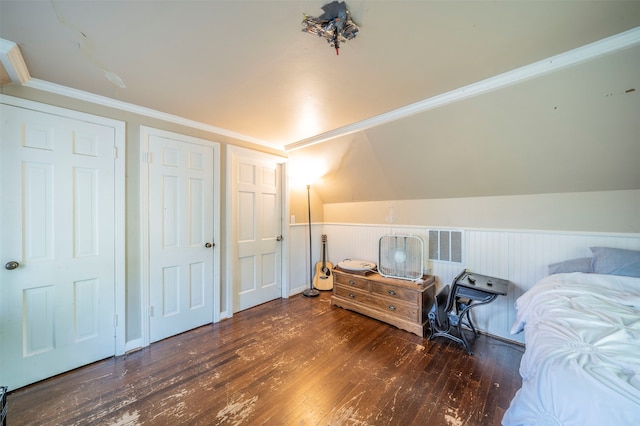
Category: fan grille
<point>400,256</point>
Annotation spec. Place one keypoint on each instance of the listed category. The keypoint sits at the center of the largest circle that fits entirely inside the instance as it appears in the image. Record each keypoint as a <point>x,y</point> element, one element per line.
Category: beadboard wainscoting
<point>520,256</point>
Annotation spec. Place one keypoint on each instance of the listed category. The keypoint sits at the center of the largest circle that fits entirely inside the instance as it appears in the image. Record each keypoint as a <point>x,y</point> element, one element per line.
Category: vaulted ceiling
<point>245,67</point>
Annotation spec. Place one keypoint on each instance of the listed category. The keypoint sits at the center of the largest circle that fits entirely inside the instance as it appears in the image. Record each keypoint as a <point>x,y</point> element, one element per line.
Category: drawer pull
<point>391,307</point>
<point>392,293</point>
<point>351,295</point>
<point>352,282</point>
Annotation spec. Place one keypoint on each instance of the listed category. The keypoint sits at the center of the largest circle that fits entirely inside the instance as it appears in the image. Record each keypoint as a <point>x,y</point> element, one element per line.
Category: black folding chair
<point>445,320</point>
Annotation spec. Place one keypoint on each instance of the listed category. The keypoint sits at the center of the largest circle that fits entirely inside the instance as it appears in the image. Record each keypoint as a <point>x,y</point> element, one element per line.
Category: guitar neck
<point>324,254</point>
<point>324,251</point>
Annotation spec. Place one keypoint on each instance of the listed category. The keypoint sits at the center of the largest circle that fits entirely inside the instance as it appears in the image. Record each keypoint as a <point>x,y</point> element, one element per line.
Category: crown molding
<point>13,62</point>
<point>590,51</point>
<point>147,112</point>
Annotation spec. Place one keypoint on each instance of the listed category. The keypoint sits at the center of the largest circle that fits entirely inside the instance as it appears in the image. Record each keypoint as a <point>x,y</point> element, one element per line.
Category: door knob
<point>208,245</point>
<point>11,265</point>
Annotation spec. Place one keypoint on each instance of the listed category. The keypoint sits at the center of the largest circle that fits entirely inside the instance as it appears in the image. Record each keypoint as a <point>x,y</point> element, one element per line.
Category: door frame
<point>119,312</point>
<point>284,208</point>
<point>145,134</point>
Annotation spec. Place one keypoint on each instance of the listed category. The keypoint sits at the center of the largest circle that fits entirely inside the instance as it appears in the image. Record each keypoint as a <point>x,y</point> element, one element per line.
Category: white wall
<point>600,211</point>
<point>520,256</point>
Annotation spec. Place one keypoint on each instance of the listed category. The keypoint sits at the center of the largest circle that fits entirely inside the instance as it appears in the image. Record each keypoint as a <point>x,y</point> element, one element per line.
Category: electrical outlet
<point>391,216</point>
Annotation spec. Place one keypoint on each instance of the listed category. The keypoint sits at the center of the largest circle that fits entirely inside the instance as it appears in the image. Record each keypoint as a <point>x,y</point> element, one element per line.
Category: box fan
<point>401,256</point>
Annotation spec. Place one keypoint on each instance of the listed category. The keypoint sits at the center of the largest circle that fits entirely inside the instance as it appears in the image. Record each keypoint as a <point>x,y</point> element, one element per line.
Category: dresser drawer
<point>389,306</point>
<point>396,293</point>
<point>396,308</point>
<point>401,303</point>
<point>351,293</point>
<point>351,281</point>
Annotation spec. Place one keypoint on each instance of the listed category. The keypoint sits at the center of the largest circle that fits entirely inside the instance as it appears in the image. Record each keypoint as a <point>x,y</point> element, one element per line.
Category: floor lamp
<point>310,292</point>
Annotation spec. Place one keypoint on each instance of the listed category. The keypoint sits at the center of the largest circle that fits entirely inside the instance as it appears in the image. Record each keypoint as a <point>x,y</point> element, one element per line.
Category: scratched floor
<point>295,361</point>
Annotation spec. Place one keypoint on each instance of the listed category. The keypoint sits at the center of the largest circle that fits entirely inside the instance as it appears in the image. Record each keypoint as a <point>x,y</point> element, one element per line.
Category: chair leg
<point>470,323</point>
<point>462,307</point>
<point>463,339</point>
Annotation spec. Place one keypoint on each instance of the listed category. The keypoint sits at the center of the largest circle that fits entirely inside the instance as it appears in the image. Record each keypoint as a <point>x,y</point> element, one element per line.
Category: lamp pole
<point>310,292</point>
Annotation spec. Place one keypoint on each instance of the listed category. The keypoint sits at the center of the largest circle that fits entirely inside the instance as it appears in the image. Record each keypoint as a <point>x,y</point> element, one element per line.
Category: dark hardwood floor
<point>294,361</point>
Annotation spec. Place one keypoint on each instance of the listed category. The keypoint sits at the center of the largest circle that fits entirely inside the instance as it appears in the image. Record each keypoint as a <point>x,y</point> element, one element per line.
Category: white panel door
<point>256,230</point>
<point>57,222</point>
<point>181,189</point>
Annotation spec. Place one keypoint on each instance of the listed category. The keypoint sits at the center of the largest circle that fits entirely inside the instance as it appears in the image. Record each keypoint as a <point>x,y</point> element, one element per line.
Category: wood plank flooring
<point>293,361</point>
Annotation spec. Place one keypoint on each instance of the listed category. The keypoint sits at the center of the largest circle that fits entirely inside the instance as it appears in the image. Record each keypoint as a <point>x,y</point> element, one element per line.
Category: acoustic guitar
<point>323,279</point>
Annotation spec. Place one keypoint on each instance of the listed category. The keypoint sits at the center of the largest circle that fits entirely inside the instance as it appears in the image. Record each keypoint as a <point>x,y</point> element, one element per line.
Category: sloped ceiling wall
<point>575,130</point>
<point>245,66</point>
<point>241,66</point>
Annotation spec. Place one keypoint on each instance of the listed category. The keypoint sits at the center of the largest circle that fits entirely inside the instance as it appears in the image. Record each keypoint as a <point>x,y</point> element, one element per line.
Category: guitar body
<point>323,279</point>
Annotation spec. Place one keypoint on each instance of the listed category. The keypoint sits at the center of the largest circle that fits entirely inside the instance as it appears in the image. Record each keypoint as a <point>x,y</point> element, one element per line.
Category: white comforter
<point>582,360</point>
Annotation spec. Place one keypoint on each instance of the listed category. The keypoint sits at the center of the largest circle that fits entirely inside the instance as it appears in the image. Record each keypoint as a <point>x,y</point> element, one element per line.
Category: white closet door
<point>181,231</point>
<point>57,221</point>
<point>256,229</point>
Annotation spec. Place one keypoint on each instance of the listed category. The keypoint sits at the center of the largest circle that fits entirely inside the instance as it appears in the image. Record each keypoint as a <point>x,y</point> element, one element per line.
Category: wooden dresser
<point>402,303</point>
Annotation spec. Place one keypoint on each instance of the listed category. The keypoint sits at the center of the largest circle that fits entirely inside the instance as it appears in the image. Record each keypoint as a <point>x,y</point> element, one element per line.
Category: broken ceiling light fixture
<point>335,24</point>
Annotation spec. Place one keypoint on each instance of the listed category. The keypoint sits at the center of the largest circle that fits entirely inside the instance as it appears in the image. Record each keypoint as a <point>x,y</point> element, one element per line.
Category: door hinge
<point>146,157</point>
<point>115,152</point>
<point>150,311</point>
<point>115,320</point>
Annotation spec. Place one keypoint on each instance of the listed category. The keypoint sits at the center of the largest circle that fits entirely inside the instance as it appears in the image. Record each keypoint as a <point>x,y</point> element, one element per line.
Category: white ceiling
<point>245,69</point>
<point>246,66</point>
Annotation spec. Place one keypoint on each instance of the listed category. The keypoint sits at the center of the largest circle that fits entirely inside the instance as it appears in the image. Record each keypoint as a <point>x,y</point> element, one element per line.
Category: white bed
<point>581,365</point>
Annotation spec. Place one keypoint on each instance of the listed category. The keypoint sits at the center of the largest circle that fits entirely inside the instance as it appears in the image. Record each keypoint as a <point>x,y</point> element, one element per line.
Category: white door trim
<point>119,202</point>
<point>145,134</point>
<point>235,150</point>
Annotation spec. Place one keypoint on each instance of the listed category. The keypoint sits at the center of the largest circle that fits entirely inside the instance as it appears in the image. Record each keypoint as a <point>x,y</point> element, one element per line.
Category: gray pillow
<point>615,261</point>
<point>581,264</point>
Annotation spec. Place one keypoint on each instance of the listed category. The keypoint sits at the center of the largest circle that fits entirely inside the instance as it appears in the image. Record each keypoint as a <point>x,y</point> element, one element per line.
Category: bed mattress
<point>581,365</point>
